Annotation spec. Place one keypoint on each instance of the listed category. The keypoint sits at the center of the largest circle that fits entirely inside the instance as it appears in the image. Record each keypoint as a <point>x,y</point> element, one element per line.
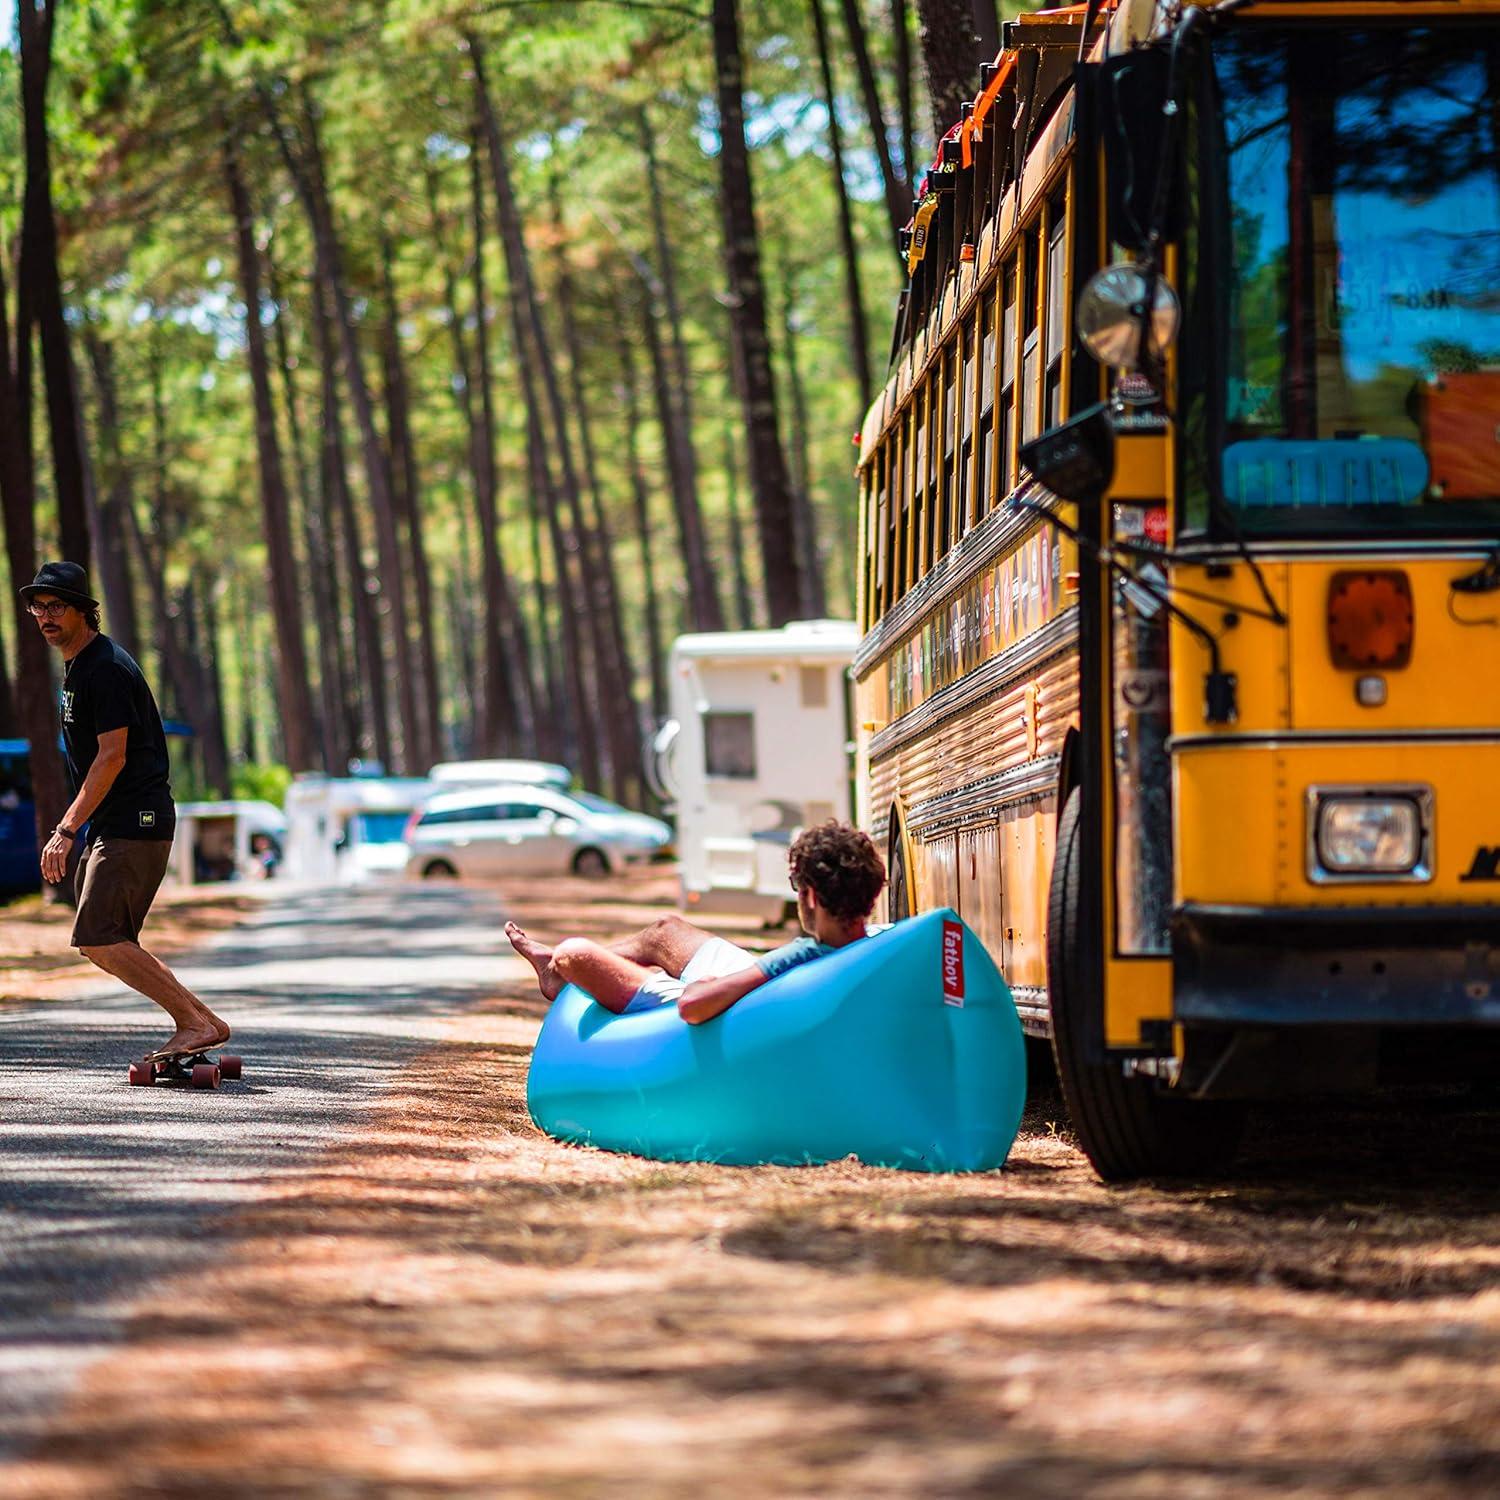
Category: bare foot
<point>193,1039</point>
<point>539,956</point>
<point>219,1028</point>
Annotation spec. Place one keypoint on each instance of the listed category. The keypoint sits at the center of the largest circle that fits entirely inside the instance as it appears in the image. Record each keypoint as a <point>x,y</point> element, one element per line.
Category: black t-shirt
<point>103,689</point>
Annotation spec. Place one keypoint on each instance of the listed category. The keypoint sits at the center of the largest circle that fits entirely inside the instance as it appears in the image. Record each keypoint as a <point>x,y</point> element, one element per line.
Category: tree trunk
<point>8,725</point>
<point>215,740</point>
<point>744,605</point>
<point>769,481</point>
<point>901,27</point>
<point>986,30</point>
<point>616,671</point>
<point>409,499</point>
<point>36,712</point>
<point>337,502</point>
<point>183,689</point>
<point>533,346</point>
<point>950,59</point>
<point>579,708</point>
<point>293,684</point>
<point>858,338</point>
<point>655,647</point>
<point>338,730</point>
<point>897,193</point>
<point>40,290</point>
<point>508,705</point>
<point>813,605</point>
<point>675,403</point>
<point>112,537</point>
<point>313,185</point>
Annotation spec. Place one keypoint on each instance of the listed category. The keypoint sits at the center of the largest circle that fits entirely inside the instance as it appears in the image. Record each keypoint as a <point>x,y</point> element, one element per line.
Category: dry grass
<point>453,1304</point>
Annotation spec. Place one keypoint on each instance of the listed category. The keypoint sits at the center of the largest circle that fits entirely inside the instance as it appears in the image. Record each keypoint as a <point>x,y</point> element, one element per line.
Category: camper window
<point>729,745</point>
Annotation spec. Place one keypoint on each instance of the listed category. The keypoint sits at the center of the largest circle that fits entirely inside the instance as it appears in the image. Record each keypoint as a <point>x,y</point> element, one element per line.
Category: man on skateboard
<point>117,763</point>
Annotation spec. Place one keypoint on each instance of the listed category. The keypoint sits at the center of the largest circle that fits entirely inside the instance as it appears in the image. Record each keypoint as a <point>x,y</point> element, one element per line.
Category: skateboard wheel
<point>230,1066</point>
<point>142,1072</point>
<point>205,1076</point>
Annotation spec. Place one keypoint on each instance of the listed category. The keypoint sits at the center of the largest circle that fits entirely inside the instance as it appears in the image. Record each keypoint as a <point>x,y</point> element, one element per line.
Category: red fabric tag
<point>953,963</point>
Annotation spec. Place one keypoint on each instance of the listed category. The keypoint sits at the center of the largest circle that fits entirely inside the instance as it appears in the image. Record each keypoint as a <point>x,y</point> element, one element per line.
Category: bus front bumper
<point>1336,966</point>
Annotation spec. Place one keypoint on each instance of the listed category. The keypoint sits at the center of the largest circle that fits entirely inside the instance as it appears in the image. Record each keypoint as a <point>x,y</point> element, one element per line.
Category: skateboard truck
<point>197,1069</point>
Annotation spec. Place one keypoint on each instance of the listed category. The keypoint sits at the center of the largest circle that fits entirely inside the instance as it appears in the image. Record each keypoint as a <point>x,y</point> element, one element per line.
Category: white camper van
<point>344,829</point>
<point>757,748</point>
<point>225,841</point>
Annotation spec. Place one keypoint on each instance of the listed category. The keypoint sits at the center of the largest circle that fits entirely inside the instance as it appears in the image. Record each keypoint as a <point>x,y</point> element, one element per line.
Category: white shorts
<point>716,958</point>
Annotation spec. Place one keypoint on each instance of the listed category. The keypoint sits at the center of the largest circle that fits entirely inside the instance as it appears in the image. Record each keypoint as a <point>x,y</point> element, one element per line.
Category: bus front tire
<point>1126,1126</point>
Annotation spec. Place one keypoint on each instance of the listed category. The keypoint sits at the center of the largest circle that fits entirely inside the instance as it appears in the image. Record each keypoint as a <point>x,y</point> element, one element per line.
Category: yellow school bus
<point>1180,555</point>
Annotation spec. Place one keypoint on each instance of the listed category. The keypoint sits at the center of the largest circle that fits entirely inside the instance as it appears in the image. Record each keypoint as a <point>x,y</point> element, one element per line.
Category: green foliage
<point>143,94</point>
<point>263,782</point>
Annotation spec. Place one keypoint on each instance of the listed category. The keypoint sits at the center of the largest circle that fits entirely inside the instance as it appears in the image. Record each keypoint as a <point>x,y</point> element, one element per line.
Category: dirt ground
<point>36,959</point>
<point>457,1305</point>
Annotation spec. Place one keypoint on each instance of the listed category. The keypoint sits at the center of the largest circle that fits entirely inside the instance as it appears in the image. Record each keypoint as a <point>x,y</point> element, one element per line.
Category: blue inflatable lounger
<point>902,1050</point>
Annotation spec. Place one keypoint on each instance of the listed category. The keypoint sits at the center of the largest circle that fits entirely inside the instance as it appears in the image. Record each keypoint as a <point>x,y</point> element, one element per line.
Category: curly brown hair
<point>841,866</point>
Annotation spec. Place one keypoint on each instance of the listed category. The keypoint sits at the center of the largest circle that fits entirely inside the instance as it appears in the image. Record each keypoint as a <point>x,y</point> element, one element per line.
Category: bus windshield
<point>1359,188</point>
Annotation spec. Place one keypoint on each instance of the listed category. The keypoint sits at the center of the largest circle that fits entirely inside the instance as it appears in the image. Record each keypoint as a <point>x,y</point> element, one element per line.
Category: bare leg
<point>668,943</point>
<point>197,1025</point>
<point>611,978</point>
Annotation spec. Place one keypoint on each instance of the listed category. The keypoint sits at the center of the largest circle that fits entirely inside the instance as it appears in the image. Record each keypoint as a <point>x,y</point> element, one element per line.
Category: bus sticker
<point>953,963</point>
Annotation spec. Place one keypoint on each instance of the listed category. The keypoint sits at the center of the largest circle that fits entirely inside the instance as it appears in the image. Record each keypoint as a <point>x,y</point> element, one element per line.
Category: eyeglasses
<point>53,609</point>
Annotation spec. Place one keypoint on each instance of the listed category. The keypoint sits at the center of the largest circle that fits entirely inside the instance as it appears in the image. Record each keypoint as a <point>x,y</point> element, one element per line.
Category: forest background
<point>414,372</point>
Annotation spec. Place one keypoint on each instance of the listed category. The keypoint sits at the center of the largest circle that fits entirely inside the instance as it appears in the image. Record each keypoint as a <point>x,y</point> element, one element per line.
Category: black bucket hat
<point>65,579</point>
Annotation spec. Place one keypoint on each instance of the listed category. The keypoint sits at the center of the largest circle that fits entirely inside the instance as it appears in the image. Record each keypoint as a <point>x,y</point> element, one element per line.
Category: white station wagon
<point>495,831</point>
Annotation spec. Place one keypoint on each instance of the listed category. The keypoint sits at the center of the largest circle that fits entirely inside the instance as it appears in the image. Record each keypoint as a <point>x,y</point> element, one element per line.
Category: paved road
<point>105,1187</point>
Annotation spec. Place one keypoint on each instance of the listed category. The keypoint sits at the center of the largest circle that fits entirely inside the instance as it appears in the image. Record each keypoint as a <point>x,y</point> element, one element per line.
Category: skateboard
<point>195,1068</point>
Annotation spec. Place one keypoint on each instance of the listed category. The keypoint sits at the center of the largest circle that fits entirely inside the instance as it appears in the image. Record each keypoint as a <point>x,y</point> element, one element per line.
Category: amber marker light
<point>1370,619</point>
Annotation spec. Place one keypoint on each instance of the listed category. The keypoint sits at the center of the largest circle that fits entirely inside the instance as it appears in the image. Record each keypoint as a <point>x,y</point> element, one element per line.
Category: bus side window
<point>1057,305</point>
<point>1031,357</point>
<point>987,486</point>
<point>900,498</point>
<point>922,510</point>
<point>1007,414</point>
<point>867,552</point>
<point>950,428</point>
<point>909,516</point>
<point>968,507</point>
<point>883,558</point>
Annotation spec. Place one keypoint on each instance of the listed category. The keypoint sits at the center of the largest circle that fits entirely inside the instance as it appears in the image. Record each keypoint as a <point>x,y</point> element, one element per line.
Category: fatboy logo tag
<point>953,963</point>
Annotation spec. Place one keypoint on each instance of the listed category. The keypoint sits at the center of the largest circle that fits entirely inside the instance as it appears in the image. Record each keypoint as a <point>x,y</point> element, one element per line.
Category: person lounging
<point>836,874</point>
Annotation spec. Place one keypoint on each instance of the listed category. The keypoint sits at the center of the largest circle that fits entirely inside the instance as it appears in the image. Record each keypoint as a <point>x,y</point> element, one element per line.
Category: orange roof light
<point>1370,619</point>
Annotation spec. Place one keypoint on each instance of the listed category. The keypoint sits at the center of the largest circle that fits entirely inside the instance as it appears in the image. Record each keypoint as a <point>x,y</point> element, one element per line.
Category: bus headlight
<point>1368,834</point>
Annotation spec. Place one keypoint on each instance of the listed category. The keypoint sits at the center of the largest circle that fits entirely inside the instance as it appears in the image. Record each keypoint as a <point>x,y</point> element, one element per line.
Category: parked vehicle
<point>450,775</point>
<point>19,867</point>
<point>497,831</point>
<point>234,840</point>
<point>756,749</point>
<point>349,829</point>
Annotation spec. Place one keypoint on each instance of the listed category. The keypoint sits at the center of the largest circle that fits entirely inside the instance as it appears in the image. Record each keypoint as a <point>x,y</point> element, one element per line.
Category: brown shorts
<point>116,882</point>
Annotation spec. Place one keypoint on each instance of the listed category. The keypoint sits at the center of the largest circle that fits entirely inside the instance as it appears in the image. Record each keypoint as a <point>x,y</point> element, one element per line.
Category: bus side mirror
<point>1076,459</point>
<point>1132,92</point>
